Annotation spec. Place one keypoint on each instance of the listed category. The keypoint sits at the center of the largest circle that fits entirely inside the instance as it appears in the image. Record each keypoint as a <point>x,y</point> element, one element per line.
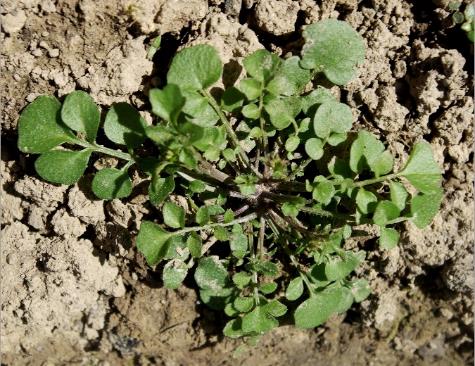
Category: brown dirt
<point>75,291</point>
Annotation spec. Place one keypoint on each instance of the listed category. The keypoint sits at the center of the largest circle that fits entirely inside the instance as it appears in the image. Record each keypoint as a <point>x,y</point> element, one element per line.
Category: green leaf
<point>251,111</point>
<point>124,125</point>
<point>323,192</point>
<point>174,273</point>
<point>261,65</point>
<point>275,308</point>
<point>292,143</point>
<point>197,109</point>
<point>385,211</point>
<point>383,164</point>
<point>111,183</point>
<point>175,248</point>
<point>268,288</point>
<point>221,233</point>
<point>40,128</point>
<point>337,268</point>
<point>62,166</point>
<point>228,216</point>
<point>360,289</point>
<point>173,215</point>
<point>243,304</point>
<point>366,201</point>
<point>152,242</point>
<point>238,242</point>
<point>211,274</point>
<point>197,186</point>
<point>229,310</point>
<point>267,268</point>
<point>242,279</point>
<point>290,209</point>
<point>216,298</point>
<point>233,328</point>
<point>282,111</point>
<point>333,47</point>
<point>332,117</point>
<point>290,78</point>
<point>314,148</point>
<point>159,134</point>
<point>422,170</point>
<point>232,99</point>
<point>365,151</point>
<point>80,113</point>
<point>258,321</point>
<point>398,194</point>
<point>194,245</point>
<point>195,68</point>
<point>424,207</point>
<point>294,289</point>
<point>251,88</point>
<point>167,103</point>
<point>202,216</point>
<point>318,96</point>
<point>187,157</point>
<point>336,138</point>
<point>317,309</point>
<point>388,238</point>
<point>160,189</point>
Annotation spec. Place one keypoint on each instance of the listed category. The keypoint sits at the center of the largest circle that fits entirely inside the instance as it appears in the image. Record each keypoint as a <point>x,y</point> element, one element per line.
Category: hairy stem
<point>375,180</point>
<point>240,220</point>
<point>228,127</point>
<point>105,150</point>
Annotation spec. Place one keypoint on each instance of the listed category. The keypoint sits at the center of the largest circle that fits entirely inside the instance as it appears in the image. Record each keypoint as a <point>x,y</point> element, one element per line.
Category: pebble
<point>37,52</point>
<point>31,97</point>
<point>44,45</point>
<point>16,77</point>
<point>54,52</point>
<point>12,23</point>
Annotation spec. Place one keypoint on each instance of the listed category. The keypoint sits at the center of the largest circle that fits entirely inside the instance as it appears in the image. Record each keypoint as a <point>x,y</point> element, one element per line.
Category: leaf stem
<point>375,180</point>
<point>240,220</point>
<point>260,242</point>
<point>105,150</point>
<point>228,127</point>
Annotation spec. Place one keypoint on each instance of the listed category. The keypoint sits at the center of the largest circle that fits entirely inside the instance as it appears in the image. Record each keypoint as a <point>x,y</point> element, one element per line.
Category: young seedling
<point>272,178</point>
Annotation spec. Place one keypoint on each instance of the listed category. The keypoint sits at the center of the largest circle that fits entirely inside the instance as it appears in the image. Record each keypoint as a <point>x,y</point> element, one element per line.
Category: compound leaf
<point>294,289</point>
<point>195,68</point>
<point>339,267</point>
<point>422,170</point>
<point>167,103</point>
<point>80,113</point>
<point>332,117</point>
<point>388,238</point>
<point>62,166</point>
<point>124,125</point>
<point>160,189</point>
<point>398,194</point>
<point>290,78</point>
<point>317,309</point>
<point>314,148</point>
<point>174,273</point>
<point>366,201</point>
<point>261,65</point>
<point>111,183</point>
<point>211,274</point>
<point>424,207</point>
<point>385,211</point>
<point>173,215</point>
<point>333,47</point>
<point>40,128</point>
<point>258,321</point>
<point>152,242</point>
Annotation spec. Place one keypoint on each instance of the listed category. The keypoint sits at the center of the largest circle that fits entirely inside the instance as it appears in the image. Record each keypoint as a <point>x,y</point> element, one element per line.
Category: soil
<point>75,290</point>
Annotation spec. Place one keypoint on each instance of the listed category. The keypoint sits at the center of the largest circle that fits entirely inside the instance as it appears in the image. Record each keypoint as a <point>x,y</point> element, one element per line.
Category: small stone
<point>31,97</point>
<point>44,45</point>
<point>37,52</point>
<point>45,34</point>
<point>12,23</point>
<point>54,52</point>
<point>16,77</point>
